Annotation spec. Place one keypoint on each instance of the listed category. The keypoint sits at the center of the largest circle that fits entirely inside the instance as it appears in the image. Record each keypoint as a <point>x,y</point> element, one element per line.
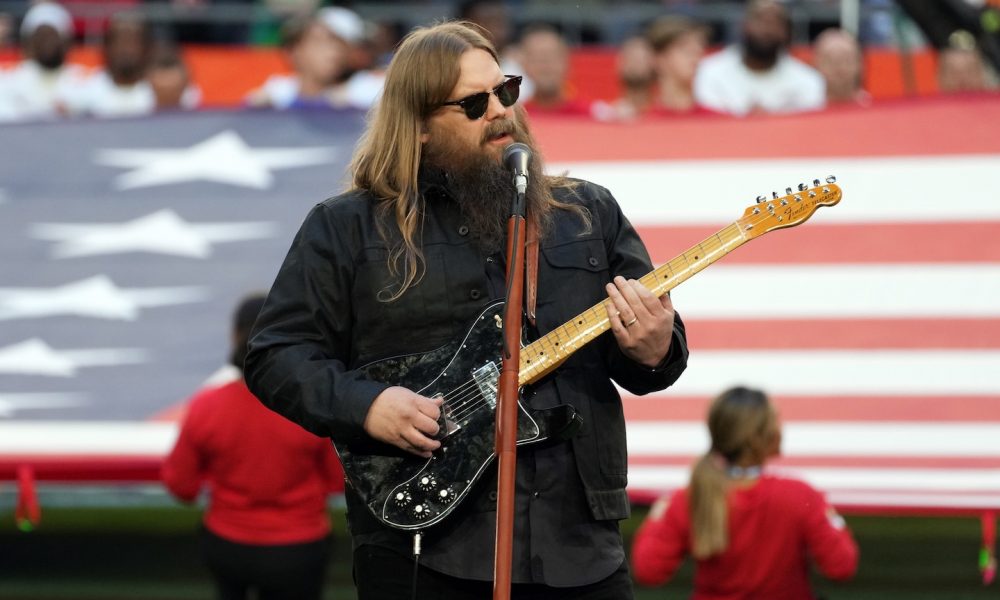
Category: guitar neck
<point>545,354</point>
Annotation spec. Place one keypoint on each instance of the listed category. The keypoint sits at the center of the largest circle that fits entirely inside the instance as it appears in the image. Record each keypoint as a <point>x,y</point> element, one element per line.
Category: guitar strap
<point>531,267</point>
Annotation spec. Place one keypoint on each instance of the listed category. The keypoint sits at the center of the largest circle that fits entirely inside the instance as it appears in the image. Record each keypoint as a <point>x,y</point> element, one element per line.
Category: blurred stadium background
<point>876,325</point>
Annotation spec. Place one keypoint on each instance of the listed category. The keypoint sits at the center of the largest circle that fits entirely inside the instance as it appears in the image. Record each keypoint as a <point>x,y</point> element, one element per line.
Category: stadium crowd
<point>336,60</point>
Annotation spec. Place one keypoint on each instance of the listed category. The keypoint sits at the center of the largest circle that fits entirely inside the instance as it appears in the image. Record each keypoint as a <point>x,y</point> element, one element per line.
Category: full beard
<point>483,188</point>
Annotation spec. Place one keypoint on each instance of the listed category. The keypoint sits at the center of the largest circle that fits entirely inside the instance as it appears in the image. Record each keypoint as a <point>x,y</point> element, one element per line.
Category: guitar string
<point>467,405</point>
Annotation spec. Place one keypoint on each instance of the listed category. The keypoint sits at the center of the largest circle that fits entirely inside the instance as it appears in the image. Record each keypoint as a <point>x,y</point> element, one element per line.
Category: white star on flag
<point>222,158</point>
<point>96,297</point>
<point>162,232</point>
<point>11,403</point>
<point>35,357</point>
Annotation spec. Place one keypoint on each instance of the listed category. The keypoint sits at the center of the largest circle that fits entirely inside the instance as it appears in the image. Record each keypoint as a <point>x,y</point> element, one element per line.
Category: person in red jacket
<point>266,530</point>
<point>752,534</point>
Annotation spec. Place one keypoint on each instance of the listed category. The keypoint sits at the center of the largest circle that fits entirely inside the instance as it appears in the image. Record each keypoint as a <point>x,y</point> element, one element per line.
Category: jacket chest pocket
<point>406,324</point>
<point>572,276</point>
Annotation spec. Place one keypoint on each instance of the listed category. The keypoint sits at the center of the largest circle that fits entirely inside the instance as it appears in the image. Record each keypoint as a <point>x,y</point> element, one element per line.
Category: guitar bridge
<point>487,378</point>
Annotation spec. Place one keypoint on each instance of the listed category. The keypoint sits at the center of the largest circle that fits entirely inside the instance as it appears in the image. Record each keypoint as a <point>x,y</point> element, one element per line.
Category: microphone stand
<point>506,412</point>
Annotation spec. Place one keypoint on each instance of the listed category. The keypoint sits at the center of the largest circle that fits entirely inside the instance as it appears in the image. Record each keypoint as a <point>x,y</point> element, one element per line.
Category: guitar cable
<point>416,562</point>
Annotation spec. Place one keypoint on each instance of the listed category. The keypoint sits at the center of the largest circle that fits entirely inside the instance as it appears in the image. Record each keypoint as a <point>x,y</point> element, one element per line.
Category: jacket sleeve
<point>661,543</point>
<point>183,470</point>
<point>301,343</point>
<point>627,256</point>
<point>828,540</point>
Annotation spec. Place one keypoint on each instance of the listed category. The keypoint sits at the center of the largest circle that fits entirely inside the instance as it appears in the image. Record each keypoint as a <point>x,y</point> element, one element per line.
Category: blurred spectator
<point>171,81</point>
<point>193,26</point>
<point>634,65</point>
<point>678,45</point>
<point>6,31</point>
<point>545,58</point>
<point>42,85</point>
<point>266,529</point>
<point>494,17</point>
<point>839,60</point>
<point>960,69</point>
<point>758,75</point>
<point>320,48</point>
<point>121,88</point>
<point>751,533</point>
<point>382,42</point>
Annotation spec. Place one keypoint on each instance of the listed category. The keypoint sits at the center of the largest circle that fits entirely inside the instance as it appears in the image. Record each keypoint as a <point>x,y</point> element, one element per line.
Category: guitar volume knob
<point>446,495</point>
<point>427,482</point>
<point>421,512</point>
<point>403,498</point>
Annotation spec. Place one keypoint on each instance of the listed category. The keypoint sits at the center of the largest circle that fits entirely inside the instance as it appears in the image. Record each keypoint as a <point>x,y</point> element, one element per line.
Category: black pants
<point>290,572</point>
<point>382,574</point>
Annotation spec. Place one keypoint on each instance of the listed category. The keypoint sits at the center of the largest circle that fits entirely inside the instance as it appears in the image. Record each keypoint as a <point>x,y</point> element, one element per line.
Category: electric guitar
<point>408,492</point>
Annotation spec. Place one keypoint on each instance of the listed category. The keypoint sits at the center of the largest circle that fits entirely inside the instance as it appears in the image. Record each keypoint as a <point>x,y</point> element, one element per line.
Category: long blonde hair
<point>742,424</point>
<point>386,163</point>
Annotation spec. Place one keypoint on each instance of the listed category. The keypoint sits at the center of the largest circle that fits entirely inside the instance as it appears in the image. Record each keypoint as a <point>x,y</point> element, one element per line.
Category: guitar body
<point>406,491</point>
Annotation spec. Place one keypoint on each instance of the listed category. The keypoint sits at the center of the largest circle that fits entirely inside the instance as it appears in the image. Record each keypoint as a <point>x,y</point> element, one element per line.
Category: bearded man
<point>400,265</point>
<point>758,75</point>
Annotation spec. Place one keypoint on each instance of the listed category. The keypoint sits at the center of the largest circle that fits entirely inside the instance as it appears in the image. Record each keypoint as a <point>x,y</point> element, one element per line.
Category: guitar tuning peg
<point>803,187</point>
<point>761,199</point>
<point>788,191</point>
<point>831,179</point>
<point>815,182</point>
<point>774,195</point>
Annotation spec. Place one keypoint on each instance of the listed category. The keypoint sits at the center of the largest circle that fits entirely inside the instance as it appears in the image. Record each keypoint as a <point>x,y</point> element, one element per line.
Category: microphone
<point>515,158</point>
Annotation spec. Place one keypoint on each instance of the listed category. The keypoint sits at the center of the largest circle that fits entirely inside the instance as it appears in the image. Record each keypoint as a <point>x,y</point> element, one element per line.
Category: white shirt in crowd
<point>282,92</point>
<point>29,92</point>
<point>724,84</point>
<point>101,97</point>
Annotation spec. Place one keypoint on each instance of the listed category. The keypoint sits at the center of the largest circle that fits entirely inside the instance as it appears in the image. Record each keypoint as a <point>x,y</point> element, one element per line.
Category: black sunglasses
<point>475,105</point>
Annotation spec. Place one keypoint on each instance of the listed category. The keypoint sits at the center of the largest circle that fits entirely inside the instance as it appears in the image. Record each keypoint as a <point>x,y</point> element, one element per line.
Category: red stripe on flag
<point>946,126</point>
<point>830,408</point>
<point>841,243</point>
<point>833,334</point>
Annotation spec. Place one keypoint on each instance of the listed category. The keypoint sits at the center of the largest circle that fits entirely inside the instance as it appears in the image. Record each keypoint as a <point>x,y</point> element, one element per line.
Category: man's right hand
<point>405,419</point>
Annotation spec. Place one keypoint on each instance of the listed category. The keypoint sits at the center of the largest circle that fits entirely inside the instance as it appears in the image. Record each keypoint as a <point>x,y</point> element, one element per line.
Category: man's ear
<point>424,132</point>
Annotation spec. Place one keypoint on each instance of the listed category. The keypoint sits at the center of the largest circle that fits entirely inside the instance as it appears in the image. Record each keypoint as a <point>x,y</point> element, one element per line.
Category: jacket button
<point>493,495</point>
<point>463,230</point>
<point>593,261</point>
<point>475,294</point>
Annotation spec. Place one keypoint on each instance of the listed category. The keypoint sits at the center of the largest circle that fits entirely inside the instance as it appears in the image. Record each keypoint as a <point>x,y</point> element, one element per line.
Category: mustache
<point>498,128</point>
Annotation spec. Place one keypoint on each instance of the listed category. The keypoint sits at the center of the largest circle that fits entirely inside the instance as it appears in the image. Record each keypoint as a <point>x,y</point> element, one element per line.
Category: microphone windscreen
<point>516,157</point>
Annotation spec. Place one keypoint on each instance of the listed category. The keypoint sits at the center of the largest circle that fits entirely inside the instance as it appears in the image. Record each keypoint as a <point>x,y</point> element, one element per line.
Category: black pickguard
<point>405,491</point>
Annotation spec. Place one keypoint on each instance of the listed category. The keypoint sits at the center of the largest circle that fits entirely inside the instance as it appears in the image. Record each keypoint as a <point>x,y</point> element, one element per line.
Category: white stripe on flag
<point>93,437</point>
<point>898,480</point>
<point>800,439</point>
<point>843,372</point>
<point>914,188</point>
<point>841,291</point>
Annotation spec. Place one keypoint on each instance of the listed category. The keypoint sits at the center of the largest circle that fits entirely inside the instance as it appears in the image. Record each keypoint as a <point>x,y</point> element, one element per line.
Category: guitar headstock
<point>789,210</point>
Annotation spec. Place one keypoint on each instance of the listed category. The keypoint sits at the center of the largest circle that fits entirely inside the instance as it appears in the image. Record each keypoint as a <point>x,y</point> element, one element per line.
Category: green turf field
<point>152,554</point>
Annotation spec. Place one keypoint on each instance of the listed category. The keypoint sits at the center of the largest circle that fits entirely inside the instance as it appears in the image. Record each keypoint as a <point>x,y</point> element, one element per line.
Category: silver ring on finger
<point>632,322</point>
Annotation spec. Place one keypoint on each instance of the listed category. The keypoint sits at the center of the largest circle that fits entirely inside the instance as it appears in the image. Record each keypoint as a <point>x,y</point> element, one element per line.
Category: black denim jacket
<point>322,320</point>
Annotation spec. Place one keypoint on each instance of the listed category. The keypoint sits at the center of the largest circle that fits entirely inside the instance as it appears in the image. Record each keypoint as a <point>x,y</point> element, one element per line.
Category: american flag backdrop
<point>875,326</point>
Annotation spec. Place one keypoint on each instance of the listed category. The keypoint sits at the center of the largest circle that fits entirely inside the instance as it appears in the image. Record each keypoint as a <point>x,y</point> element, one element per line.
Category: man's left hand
<point>642,323</point>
